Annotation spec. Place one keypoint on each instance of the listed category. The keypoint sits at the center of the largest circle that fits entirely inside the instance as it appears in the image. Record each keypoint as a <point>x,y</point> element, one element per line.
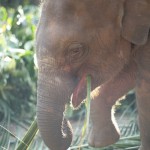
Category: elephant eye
<point>76,52</point>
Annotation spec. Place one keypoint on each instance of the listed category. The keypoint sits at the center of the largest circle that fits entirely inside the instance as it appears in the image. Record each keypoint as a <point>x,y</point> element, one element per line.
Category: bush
<point>17,69</point>
<point>16,3</point>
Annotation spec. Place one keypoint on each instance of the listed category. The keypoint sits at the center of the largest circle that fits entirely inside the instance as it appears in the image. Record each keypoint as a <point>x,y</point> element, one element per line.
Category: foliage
<point>28,138</point>
<point>17,70</point>
<point>16,3</point>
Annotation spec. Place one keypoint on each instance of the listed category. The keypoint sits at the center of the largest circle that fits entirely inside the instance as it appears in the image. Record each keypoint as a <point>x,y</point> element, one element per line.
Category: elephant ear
<point>136,21</point>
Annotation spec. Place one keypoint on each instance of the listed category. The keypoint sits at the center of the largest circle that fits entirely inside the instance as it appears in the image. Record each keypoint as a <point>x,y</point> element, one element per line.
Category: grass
<point>29,136</point>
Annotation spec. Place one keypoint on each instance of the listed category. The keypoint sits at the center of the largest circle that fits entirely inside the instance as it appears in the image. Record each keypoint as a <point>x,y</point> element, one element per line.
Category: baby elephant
<point>106,39</point>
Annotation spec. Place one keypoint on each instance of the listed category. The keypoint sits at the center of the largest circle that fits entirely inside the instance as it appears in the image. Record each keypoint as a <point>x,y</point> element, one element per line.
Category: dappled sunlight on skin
<point>95,93</point>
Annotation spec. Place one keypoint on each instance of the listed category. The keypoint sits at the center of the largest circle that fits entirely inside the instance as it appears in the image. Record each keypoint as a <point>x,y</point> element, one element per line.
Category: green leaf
<point>29,136</point>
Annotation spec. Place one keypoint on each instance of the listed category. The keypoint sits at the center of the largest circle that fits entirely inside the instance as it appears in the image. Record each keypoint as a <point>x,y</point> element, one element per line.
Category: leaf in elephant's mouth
<point>85,128</point>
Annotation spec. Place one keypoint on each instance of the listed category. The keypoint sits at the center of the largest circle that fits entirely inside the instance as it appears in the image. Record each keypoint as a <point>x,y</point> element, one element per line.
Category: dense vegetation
<point>17,69</point>
<point>18,73</point>
<point>16,3</point>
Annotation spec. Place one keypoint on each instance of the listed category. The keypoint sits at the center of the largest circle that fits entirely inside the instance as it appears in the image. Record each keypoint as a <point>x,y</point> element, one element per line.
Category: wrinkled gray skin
<point>107,40</point>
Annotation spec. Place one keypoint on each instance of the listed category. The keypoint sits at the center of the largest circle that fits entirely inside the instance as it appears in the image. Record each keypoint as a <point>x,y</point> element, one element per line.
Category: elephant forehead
<point>62,22</point>
<point>55,39</point>
<point>87,12</point>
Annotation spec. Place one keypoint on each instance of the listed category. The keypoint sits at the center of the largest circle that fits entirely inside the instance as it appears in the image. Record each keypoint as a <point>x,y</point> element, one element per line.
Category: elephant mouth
<point>79,92</point>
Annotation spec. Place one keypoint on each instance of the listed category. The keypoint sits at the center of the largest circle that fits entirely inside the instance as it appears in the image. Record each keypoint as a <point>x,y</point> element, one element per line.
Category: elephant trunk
<point>53,93</point>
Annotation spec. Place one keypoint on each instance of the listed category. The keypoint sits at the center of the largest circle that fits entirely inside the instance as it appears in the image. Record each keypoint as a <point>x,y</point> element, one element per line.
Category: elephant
<point>106,39</point>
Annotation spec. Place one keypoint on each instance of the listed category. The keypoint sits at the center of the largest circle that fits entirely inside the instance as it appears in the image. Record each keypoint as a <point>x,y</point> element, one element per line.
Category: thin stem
<point>88,101</point>
<point>28,138</point>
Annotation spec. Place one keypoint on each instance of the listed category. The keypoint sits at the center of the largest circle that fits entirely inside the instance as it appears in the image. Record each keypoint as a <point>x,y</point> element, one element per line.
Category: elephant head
<point>74,39</point>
